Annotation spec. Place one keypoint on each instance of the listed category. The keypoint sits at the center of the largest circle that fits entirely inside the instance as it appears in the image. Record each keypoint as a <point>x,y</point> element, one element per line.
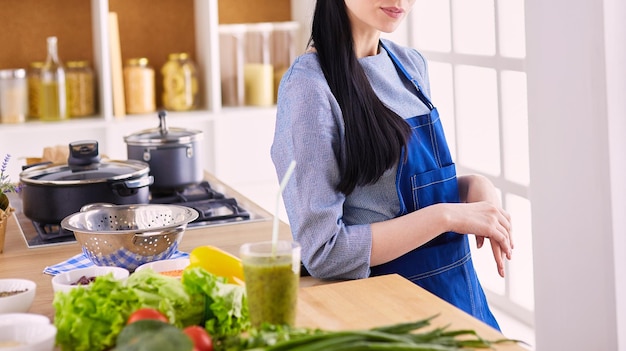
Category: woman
<point>375,190</point>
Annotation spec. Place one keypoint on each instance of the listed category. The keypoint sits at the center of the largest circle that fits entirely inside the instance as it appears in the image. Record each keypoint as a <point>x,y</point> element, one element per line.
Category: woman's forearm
<point>395,237</point>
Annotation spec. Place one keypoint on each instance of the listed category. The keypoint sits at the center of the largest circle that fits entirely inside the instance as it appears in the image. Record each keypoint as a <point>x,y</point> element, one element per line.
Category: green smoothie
<point>272,289</point>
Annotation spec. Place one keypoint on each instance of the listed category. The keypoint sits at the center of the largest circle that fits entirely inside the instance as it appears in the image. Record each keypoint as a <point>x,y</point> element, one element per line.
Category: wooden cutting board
<point>383,300</point>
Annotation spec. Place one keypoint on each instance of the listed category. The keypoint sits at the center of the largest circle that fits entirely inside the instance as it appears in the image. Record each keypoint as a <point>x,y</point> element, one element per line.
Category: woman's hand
<point>479,214</point>
<point>488,219</point>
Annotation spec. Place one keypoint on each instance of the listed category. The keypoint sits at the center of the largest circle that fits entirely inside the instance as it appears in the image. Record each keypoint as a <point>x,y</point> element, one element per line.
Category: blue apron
<point>442,266</point>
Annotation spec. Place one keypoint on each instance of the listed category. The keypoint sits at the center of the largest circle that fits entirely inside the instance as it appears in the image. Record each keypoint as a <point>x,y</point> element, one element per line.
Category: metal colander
<point>129,235</point>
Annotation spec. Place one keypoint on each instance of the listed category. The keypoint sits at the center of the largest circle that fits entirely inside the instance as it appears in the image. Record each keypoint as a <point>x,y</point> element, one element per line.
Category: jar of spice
<point>80,89</point>
<point>34,87</point>
<point>13,95</point>
<point>180,83</point>
<point>139,86</point>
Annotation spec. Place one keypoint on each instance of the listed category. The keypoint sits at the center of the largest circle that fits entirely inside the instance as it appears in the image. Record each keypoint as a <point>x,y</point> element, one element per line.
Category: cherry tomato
<point>201,339</point>
<point>146,313</point>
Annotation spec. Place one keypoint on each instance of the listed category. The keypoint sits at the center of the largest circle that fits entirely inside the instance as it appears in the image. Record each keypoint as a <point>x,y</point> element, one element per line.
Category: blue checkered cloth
<point>82,261</point>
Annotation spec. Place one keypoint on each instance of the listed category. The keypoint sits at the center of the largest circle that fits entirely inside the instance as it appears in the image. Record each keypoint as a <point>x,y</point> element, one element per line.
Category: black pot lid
<point>100,172</point>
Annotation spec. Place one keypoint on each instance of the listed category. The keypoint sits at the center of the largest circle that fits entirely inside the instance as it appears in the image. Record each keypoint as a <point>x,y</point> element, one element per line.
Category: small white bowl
<point>28,337</point>
<point>19,302</point>
<point>171,267</point>
<point>67,280</point>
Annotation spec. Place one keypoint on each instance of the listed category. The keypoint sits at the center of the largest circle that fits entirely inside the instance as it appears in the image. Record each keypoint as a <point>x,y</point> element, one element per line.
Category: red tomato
<point>146,313</point>
<point>201,339</point>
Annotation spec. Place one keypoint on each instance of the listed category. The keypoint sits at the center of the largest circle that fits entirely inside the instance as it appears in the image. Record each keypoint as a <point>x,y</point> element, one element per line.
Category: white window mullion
<point>490,61</point>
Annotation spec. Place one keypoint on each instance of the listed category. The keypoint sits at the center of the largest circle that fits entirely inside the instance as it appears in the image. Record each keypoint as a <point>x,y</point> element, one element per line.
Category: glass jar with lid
<point>139,86</point>
<point>80,89</point>
<point>180,83</point>
<point>258,71</point>
<point>13,95</point>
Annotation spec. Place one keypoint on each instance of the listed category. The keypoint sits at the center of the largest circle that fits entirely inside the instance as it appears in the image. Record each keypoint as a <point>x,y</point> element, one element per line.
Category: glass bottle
<point>53,95</point>
<point>180,83</point>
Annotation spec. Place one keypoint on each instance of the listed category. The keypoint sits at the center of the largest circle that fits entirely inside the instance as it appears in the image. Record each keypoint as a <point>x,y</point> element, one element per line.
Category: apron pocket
<point>433,187</point>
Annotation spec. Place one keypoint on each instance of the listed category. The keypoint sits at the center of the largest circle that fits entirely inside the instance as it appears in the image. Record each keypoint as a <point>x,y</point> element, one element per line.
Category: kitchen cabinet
<point>236,139</point>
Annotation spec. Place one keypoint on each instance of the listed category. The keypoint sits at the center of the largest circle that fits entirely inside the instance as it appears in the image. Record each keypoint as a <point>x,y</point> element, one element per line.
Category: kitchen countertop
<point>354,304</point>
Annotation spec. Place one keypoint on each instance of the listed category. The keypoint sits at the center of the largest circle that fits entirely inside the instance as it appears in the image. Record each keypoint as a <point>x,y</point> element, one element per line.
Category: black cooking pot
<point>174,155</point>
<point>52,192</point>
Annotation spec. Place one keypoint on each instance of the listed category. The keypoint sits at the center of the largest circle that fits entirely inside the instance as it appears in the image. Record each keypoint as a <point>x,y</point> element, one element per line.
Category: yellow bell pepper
<point>218,262</point>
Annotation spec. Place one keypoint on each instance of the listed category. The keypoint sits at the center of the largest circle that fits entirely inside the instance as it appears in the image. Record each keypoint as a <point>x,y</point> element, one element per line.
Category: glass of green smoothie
<point>272,275</point>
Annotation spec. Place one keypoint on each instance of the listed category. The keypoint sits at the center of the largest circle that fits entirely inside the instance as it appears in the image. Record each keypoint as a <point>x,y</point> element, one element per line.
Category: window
<point>476,52</point>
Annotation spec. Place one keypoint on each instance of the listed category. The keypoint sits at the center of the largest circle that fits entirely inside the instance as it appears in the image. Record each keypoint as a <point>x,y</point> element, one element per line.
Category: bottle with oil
<point>53,93</point>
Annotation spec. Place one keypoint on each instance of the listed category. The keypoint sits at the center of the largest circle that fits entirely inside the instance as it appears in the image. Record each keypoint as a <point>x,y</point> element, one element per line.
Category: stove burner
<point>212,206</point>
<point>217,211</point>
<point>194,192</point>
<point>51,233</point>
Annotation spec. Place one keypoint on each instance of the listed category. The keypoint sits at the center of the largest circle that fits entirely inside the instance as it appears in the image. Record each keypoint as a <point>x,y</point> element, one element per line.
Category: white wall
<point>576,128</point>
<point>615,37</point>
<point>302,11</point>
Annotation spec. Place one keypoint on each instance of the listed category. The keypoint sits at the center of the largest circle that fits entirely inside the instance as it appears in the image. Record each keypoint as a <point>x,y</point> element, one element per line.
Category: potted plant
<point>5,207</point>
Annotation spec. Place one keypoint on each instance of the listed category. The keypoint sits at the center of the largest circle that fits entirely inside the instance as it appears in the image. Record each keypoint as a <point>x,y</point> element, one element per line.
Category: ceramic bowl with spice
<point>82,277</point>
<point>16,295</point>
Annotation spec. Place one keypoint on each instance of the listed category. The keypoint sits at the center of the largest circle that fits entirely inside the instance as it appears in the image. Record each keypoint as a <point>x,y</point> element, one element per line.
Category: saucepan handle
<point>139,182</point>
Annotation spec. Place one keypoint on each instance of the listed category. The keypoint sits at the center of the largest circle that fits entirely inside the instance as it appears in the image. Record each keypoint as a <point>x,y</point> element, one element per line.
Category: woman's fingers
<point>503,249</point>
<point>480,240</point>
<point>499,257</point>
<point>509,230</point>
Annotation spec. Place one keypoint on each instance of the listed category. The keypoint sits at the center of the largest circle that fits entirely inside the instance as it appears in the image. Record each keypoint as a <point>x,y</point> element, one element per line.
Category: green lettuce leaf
<point>226,306</point>
<point>168,295</point>
<point>91,318</point>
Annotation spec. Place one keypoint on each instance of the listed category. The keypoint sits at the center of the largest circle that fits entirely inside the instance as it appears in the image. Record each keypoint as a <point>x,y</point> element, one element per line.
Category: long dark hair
<point>375,135</point>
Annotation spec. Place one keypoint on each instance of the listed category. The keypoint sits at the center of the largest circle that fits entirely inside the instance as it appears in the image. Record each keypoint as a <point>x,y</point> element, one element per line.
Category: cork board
<point>27,23</point>
<point>251,11</point>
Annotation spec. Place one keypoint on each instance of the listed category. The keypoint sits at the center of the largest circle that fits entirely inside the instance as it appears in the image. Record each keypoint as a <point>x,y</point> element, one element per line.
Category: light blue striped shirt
<point>334,230</point>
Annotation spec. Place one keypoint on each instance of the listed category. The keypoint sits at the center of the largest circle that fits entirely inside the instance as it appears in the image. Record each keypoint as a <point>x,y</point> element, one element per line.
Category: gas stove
<point>210,198</point>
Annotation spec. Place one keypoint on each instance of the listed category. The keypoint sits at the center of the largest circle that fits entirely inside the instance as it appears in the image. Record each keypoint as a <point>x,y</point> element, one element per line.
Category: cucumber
<point>152,335</point>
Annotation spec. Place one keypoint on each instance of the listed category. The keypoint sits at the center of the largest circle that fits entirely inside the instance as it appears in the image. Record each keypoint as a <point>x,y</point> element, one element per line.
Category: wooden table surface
<point>330,305</point>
